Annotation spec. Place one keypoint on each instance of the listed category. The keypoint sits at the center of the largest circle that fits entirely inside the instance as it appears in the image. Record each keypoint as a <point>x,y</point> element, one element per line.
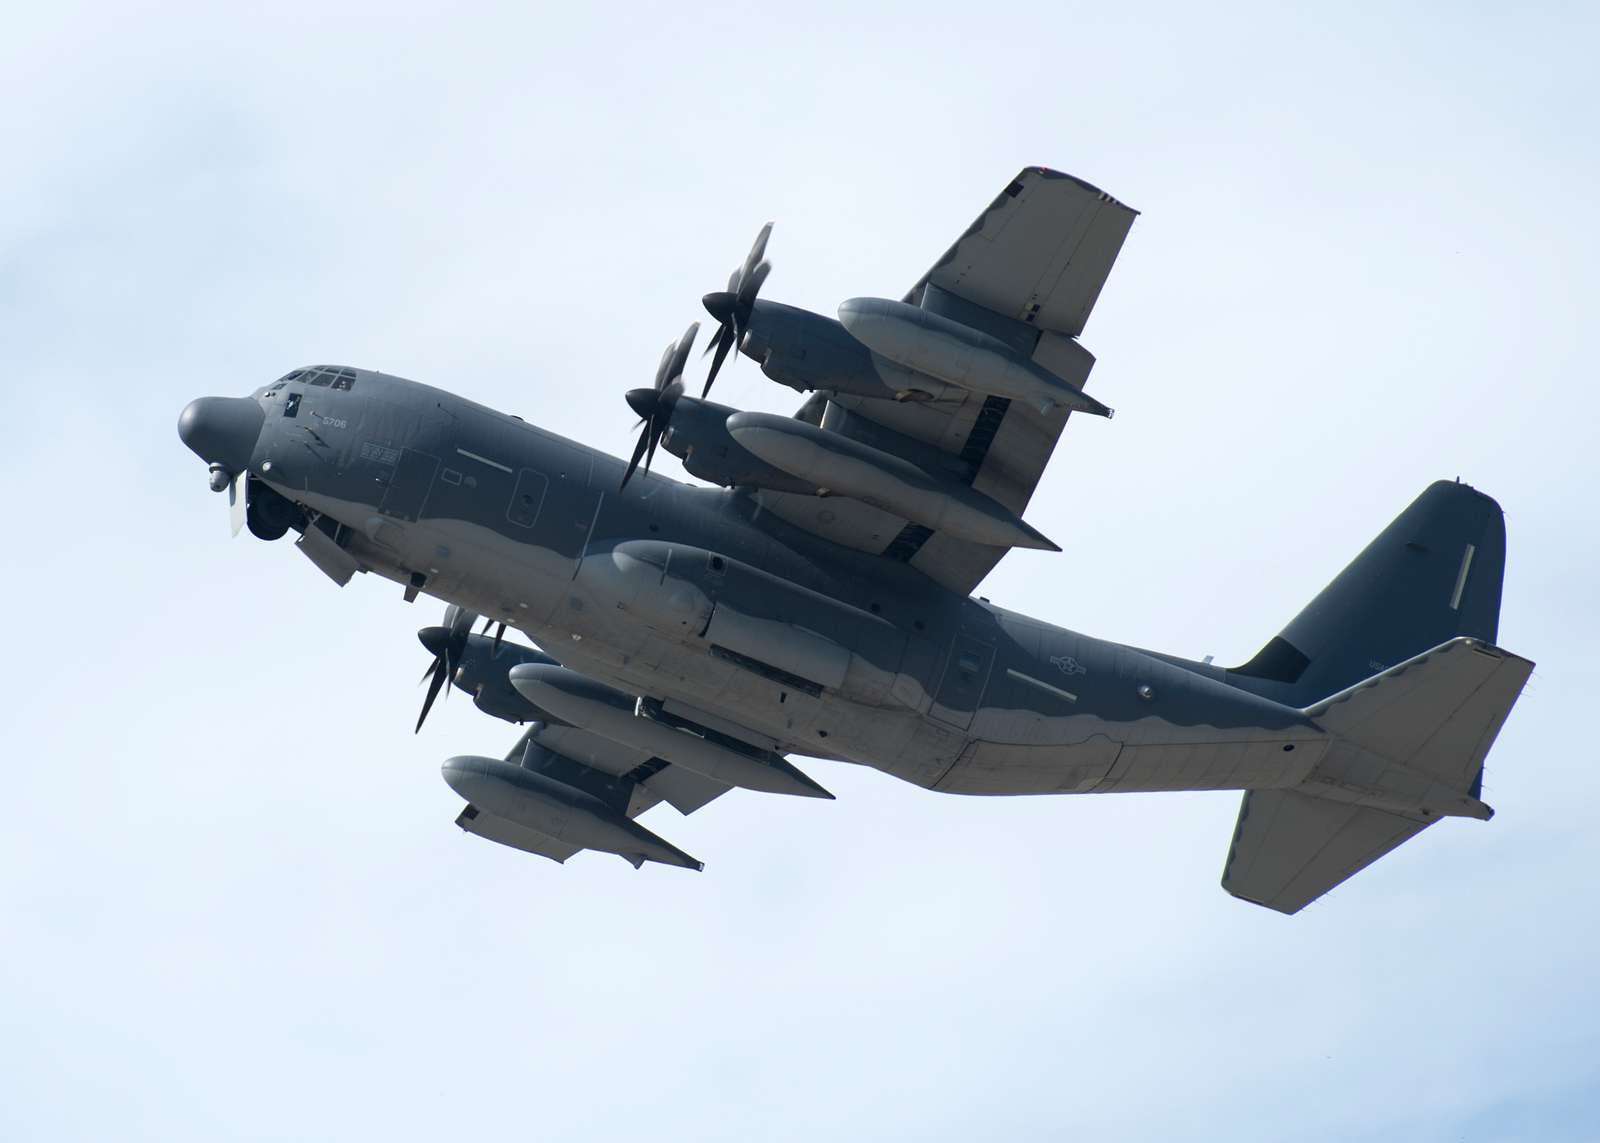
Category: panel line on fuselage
<point>1041,684</point>
<point>483,460</point>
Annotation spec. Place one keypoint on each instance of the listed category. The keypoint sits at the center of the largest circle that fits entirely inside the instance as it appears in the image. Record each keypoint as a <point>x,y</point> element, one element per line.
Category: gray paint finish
<point>756,632</point>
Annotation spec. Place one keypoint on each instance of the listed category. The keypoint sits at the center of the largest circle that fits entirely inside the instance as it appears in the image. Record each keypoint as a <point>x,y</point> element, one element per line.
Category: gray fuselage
<point>738,618</point>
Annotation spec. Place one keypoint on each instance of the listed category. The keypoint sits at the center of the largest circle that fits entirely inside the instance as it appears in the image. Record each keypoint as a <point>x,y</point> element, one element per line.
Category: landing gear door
<point>966,673</point>
<point>409,486</point>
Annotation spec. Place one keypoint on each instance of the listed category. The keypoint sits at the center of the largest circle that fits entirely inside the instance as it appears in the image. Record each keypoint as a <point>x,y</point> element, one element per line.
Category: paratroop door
<point>966,673</point>
<point>408,489</point>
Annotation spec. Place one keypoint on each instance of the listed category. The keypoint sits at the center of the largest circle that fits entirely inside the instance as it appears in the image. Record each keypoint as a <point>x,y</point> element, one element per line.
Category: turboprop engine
<point>698,436</point>
<point>798,348</point>
<point>806,351</point>
<point>569,713</point>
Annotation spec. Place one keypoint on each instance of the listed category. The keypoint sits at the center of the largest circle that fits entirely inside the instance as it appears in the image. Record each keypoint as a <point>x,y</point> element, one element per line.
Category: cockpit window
<point>324,376</point>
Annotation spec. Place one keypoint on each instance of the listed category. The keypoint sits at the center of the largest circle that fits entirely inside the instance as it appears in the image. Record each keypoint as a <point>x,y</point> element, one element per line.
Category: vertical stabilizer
<point>1431,575</point>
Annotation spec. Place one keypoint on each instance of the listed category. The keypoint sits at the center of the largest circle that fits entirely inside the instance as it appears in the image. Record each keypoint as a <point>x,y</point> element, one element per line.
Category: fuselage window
<point>322,379</point>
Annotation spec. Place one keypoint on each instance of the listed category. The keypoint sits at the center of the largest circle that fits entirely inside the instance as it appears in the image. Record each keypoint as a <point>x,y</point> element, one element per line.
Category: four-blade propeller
<point>732,307</point>
<point>654,405</point>
<point>447,644</point>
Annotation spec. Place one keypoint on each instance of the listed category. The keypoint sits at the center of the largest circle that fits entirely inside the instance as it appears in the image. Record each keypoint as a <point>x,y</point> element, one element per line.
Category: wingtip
<point>1052,173</point>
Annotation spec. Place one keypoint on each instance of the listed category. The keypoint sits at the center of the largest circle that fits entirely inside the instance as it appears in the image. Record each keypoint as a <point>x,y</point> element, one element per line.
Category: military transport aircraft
<point>818,600</point>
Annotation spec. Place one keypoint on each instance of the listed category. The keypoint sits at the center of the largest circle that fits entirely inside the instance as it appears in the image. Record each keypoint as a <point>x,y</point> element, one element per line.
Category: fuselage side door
<point>966,674</point>
<point>556,506</point>
<point>408,489</point>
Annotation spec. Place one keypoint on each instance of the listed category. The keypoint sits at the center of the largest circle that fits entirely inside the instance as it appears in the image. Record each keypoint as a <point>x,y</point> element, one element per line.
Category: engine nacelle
<point>482,671</point>
<point>698,435</point>
<point>806,351</point>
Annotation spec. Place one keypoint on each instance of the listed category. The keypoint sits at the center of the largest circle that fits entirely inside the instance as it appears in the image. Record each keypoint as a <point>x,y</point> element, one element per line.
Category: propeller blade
<point>236,501</point>
<point>650,453</point>
<point>751,286</point>
<point>460,622</point>
<point>638,453</point>
<point>499,633</point>
<point>734,308</point>
<point>680,355</point>
<point>662,373</point>
<point>723,342</point>
<point>758,251</point>
<point>654,406</point>
<point>438,672</point>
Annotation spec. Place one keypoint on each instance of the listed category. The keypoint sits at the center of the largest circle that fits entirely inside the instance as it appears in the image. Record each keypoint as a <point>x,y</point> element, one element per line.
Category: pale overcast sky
<point>233,902</point>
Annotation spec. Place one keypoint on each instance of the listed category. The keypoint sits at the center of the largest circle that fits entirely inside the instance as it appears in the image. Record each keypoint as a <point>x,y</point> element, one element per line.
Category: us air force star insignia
<point>1068,665</point>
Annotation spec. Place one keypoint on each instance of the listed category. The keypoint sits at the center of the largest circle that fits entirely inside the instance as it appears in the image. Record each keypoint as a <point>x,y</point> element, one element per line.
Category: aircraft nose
<point>222,430</point>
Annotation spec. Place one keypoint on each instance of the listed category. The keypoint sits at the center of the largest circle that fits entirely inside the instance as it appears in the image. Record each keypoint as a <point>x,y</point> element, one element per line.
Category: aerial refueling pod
<point>833,463</point>
<point>930,343</point>
<point>557,810</point>
<point>596,707</point>
<point>760,621</point>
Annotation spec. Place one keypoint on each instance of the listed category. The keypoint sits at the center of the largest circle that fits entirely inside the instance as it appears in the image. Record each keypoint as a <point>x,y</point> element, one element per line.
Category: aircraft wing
<point>1028,271</point>
<point>1040,253</point>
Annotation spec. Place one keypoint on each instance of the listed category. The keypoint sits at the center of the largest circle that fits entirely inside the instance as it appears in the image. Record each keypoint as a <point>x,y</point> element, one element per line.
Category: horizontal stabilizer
<point>1437,713</point>
<point>1409,745</point>
<point>1290,848</point>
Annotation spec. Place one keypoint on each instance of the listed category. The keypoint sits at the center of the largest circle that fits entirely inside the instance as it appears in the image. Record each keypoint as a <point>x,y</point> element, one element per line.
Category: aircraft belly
<point>463,562</point>
<point>940,736</point>
<point>1189,758</point>
<point>1010,768</point>
<point>818,725</point>
<point>1220,760</point>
